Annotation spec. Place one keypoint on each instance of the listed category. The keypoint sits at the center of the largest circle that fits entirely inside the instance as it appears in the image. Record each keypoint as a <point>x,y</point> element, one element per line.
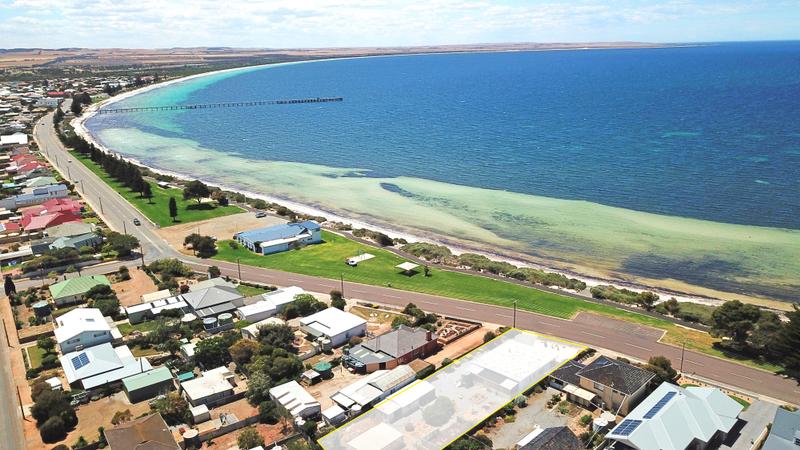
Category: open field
<point>157,209</point>
<point>327,260</point>
<point>35,355</point>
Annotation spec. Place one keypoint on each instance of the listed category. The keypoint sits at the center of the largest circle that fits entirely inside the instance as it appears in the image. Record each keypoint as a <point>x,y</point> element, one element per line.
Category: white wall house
<point>215,387</point>
<point>295,400</point>
<point>83,328</point>
<point>334,324</point>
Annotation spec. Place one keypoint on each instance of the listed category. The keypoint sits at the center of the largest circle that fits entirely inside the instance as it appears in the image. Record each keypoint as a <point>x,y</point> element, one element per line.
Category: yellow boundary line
<point>582,348</point>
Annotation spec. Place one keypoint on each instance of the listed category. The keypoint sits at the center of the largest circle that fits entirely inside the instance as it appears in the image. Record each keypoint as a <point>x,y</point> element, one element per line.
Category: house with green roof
<point>146,385</point>
<point>74,289</point>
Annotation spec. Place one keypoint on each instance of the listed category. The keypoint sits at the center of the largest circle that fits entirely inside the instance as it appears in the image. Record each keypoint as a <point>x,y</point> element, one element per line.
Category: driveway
<point>536,413</point>
<point>752,422</point>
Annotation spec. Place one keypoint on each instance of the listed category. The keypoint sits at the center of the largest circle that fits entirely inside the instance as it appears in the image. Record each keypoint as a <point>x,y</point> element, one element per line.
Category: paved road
<point>11,434</point>
<point>602,332</point>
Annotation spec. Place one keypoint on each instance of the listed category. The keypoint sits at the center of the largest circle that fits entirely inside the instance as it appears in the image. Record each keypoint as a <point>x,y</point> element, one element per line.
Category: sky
<point>349,23</point>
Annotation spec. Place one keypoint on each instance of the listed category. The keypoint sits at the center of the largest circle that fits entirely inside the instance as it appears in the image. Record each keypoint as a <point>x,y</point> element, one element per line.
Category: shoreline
<point>414,236</point>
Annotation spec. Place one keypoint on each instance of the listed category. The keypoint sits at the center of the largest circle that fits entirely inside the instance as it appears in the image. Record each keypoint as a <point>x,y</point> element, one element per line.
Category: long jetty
<point>294,101</point>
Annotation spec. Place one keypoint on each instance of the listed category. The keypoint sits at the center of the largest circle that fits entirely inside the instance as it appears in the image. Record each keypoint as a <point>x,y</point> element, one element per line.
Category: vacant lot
<point>222,227</point>
<point>130,292</point>
<point>157,208</point>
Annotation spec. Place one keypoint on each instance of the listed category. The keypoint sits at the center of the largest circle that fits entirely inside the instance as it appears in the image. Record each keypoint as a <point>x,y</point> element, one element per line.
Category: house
<point>619,386</point>
<point>373,388</point>
<point>100,365</point>
<point>566,379</point>
<point>14,139</point>
<point>40,181</point>
<point>70,229</point>
<point>76,242</point>
<point>295,400</point>
<point>785,431</point>
<point>211,282</point>
<point>83,328</point>
<point>145,433</point>
<point>674,418</point>
<point>39,195</point>
<point>399,346</point>
<point>73,290</point>
<point>280,238</point>
<point>259,307</point>
<point>553,438</point>
<point>158,295</point>
<point>251,331</point>
<point>147,385</point>
<point>334,324</point>
<point>44,221</point>
<point>147,311</point>
<point>212,301</point>
<point>215,387</point>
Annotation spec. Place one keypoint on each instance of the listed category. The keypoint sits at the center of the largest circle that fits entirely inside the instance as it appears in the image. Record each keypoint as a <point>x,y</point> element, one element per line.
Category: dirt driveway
<point>221,227</point>
<point>130,292</point>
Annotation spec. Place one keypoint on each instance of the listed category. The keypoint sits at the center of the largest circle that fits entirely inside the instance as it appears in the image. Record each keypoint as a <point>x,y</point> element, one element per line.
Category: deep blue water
<point>708,132</point>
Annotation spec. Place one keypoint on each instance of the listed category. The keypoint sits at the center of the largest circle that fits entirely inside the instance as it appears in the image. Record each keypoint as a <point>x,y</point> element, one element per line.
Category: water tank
<point>209,323</point>
<point>225,318</point>
<point>326,345</point>
<point>41,308</point>
<point>599,424</point>
<point>191,438</point>
<point>188,318</point>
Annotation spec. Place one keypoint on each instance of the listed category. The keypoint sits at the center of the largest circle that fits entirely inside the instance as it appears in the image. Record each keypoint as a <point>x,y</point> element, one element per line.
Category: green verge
<point>250,291</point>
<point>35,355</point>
<point>157,209</point>
<point>143,327</point>
<point>328,260</point>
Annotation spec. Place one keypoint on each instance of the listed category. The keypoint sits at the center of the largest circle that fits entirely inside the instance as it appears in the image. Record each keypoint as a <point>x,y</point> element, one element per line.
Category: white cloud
<point>325,23</point>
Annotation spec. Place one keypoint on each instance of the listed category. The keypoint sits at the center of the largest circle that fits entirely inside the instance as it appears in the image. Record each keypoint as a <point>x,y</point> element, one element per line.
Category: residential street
<point>596,331</point>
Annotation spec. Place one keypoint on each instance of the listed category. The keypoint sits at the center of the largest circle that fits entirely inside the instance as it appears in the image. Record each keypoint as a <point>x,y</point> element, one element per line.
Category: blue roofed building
<point>280,238</point>
<point>785,431</point>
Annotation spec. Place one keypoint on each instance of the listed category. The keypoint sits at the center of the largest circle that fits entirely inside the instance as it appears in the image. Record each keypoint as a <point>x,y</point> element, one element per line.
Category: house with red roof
<point>38,223</point>
<point>9,228</point>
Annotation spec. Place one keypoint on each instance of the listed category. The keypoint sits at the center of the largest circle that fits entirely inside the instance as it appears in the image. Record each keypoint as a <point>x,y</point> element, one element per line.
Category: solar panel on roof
<point>626,427</point>
<point>80,361</point>
<point>660,404</point>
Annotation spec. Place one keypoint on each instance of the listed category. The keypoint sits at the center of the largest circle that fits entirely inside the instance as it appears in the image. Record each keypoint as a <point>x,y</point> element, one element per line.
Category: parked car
<point>261,214</point>
<point>136,221</point>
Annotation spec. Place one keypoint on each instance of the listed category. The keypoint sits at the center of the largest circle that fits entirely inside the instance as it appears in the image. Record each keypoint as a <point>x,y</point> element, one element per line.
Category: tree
<point>53,429</point>
<point>337,300</point>
<point>662,367</point>
<point>205,247</point>
<point>489,336</point>
<point>147,192</point>
<point>174,409</point>
<point>10,287</point>
<point>672,306</point>
<point>243,351</point>
<point>173,346</point>
<point>439,412</point>
<point>173,209</point>
<point>46,343</point>
<point>647,299</point>
<point>196,190</point>
<point>307,304</point>
<point>53,415</point>
<point>268,412</point>
<point>734,320</point>
<point>76,107</point>
<point>214,272</point>
<point>788,341</point>
<point>122,244</point>
<point>250,438</point>
<point>765,332</point>
<point>212,352</point>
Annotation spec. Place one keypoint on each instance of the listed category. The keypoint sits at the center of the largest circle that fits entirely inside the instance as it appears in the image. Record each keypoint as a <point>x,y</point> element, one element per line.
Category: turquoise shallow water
<point>673,165</point>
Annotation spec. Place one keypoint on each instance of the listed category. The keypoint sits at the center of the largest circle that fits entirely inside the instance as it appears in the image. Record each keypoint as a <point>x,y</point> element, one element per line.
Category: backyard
<point>328,260</point>
<point>157,209</point>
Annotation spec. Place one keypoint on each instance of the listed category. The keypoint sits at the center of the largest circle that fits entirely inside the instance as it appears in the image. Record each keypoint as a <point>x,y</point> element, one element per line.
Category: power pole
<point>141,253</point>
<point>101,203</point>
<point>239,269</point>
<point>515,315</point>
<point>341,279</point>
<point>683,350</point>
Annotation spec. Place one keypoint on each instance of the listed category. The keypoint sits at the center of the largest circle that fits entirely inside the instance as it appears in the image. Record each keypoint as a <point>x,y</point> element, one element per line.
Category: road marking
<point>427,302</point>
<point>741,376</point>
<point>391,296</point>
<point>465,309</point>
<point>695,363</point>
<point>592,334</point>
<point>504,315</point>
<point>639,347</point>
<point>295,280</point>
<point>554,325</point>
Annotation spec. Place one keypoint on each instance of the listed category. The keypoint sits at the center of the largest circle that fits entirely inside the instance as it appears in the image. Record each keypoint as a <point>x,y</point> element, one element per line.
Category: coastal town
<point>149,311</point>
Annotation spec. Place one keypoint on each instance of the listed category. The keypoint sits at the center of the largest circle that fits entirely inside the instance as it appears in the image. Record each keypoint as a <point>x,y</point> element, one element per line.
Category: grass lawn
<point>144,327</point>
<point>741,401</point>
<point>327,260</point>
<point>702,311</point>
<point>35,355</point>
<point>157,209</point>
<point>249,291</point>
<point>138,351</point>
<point>61,311</point>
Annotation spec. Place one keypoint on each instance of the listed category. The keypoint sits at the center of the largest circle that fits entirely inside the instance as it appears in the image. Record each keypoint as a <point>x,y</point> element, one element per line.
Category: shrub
<point>53,429</point>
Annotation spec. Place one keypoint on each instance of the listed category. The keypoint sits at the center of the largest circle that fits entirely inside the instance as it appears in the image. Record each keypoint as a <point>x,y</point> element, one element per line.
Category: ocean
<point>675,167</point>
